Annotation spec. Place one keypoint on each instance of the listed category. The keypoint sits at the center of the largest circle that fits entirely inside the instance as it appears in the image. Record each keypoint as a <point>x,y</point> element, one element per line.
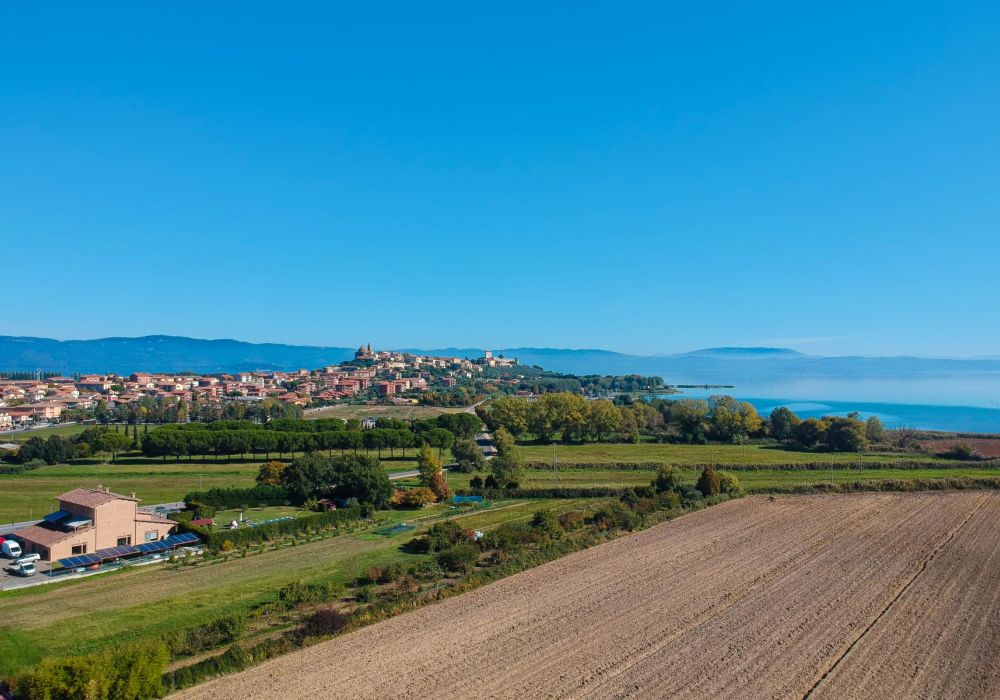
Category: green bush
<point>210,635</point>
<point>443,535</point>
<point>668,478</point>
<point>459,558</point>
<point>708,482</point>
<point>227,499</point>
<point>131,671</point>
<point>548,522</point>
<point>615,515</point>
<point>729,484</point>
<point>571,520</point>
<point>297,592</point>
<point>365,594</point>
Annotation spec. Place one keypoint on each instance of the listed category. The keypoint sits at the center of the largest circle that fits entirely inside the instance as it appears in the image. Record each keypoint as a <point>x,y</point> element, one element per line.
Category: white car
<point>34,556</point>
<point>26,569</point>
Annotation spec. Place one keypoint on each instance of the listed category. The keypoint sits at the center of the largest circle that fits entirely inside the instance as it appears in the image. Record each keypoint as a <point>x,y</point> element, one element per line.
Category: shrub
<point>210,635</point>
<point>548,522</point>
<point>365,594</point>
<point>418,545</point>
<point>615,515</point>
<point>476,482</point>
<point>571,520</point>
<point>961,451</point>
<point>326,621</point>
<point>407,584</point>
<point>131,671</point>
<point>729,484</point>
<point>668,478</point>
<point>297,592</point>
<point>669,500</point>
<point>459,558</point>
<point>439,486</point>
<point>227,546</point>
<point>708,482</point>
<point>691,495</point>
<point>445,534</point>
<point>412,498</point>
<point>511,536</point>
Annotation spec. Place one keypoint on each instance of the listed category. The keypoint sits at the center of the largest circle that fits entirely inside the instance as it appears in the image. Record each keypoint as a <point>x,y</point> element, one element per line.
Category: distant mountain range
<point>727,365</point>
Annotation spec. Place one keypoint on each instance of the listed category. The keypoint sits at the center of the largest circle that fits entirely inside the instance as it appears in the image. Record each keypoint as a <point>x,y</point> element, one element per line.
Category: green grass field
<point>752,480</point>
<point>696,454</point>
<point>29,495</point>
<point>68,430</point>
<point>82,616</point>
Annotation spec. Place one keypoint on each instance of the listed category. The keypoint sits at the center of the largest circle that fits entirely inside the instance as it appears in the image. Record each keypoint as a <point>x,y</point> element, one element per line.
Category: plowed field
<point>875,595</point>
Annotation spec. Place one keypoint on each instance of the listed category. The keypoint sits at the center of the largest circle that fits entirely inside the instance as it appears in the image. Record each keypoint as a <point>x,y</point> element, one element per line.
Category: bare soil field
<point>984,447</point>
<point>868,595</point>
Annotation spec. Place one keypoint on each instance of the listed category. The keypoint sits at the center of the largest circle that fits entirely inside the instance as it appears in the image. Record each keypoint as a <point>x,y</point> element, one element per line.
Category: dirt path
<point>754,598</point>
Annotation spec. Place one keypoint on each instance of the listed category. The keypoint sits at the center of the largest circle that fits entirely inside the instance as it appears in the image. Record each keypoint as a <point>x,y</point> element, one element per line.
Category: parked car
<point>34,556</point>
<point>25,569</point>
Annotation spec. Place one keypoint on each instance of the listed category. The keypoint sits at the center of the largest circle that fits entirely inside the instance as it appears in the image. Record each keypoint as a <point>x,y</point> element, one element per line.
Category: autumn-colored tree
<point>270,473</point>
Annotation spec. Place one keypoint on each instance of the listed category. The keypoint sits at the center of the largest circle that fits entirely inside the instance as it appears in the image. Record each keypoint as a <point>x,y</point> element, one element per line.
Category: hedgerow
<point>131,671</point>
<point>781,466</point>
<point>244,536</point>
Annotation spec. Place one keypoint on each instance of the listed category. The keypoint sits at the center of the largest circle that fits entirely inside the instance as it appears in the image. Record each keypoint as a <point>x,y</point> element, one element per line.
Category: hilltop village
<point>379,376</point>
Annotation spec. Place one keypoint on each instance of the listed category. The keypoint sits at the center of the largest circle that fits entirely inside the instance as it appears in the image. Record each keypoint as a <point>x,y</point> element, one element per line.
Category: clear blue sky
<point>638,177</point>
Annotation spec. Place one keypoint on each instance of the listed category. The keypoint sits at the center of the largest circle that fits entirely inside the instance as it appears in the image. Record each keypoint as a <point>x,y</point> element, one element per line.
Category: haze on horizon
<point>630,177</point>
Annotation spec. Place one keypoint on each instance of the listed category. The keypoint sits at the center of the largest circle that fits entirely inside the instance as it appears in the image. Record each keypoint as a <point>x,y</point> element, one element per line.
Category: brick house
<point>89,520</point>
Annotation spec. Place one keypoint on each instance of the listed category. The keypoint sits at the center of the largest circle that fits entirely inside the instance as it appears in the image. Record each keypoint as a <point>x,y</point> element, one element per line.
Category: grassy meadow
<point>86,615</point>
<point>698,454</point>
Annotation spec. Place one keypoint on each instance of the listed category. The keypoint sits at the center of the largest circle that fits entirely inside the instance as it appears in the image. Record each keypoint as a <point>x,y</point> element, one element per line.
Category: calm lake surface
<point>969,404</point>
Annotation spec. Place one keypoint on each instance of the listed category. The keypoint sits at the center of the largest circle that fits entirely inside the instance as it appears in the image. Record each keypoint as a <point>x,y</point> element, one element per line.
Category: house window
<point>124,541</point>
<point>151,535</point>
<point>79,549</point>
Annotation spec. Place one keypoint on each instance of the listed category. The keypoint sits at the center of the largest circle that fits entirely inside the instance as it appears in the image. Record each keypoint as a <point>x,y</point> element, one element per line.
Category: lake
<point>925,404</point>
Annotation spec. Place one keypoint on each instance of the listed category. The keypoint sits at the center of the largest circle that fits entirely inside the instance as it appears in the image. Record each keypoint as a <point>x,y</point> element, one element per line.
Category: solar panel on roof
<point>57,516</point>
<point>80,560</point>
<point>183,538</point>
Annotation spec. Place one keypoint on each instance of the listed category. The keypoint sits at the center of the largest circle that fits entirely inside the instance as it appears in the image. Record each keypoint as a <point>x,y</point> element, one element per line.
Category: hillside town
<point>373,375</point>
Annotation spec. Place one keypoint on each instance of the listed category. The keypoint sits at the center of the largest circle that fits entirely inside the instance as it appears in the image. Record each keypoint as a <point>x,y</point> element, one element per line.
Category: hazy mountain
<point>729,365</point>
<point>160,353</point>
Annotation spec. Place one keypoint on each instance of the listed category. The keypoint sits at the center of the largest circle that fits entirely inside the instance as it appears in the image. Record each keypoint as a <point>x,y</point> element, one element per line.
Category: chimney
<point>132,496</point>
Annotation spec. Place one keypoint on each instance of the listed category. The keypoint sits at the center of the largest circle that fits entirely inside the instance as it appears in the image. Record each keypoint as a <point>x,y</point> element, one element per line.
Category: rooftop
<point>91,498</point>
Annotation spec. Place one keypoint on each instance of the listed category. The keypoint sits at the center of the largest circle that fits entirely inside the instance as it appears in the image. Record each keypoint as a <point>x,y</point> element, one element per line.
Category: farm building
<point>89,520</point>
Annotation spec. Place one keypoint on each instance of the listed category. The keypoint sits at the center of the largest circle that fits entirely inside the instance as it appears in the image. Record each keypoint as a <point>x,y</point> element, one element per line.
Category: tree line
<point>290,435</point>
<point>570,417</point>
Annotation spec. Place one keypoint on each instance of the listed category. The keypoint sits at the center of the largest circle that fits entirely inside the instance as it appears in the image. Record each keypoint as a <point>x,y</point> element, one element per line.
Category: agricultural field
<point>83,616</point>
<point>790,596</point>
<point>984,447</point>
<point>750,480</point>
<point>29,495</point>
<point>697,454</point>
<point>348,411</point>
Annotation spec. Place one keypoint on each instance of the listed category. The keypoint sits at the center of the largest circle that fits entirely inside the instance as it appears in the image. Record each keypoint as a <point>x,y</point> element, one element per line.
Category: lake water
<point>922,404</point>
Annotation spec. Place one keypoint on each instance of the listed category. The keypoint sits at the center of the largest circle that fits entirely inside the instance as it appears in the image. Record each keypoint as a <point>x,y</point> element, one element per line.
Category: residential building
<point>89,520</point>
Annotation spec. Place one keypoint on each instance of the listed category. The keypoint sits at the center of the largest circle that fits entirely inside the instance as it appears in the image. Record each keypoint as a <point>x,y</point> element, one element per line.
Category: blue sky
<point>643,177</point>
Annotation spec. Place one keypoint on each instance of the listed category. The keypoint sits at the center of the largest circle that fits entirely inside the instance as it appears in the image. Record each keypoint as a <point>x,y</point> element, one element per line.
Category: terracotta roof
<point>42,535</point>
<point>91,498</point>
